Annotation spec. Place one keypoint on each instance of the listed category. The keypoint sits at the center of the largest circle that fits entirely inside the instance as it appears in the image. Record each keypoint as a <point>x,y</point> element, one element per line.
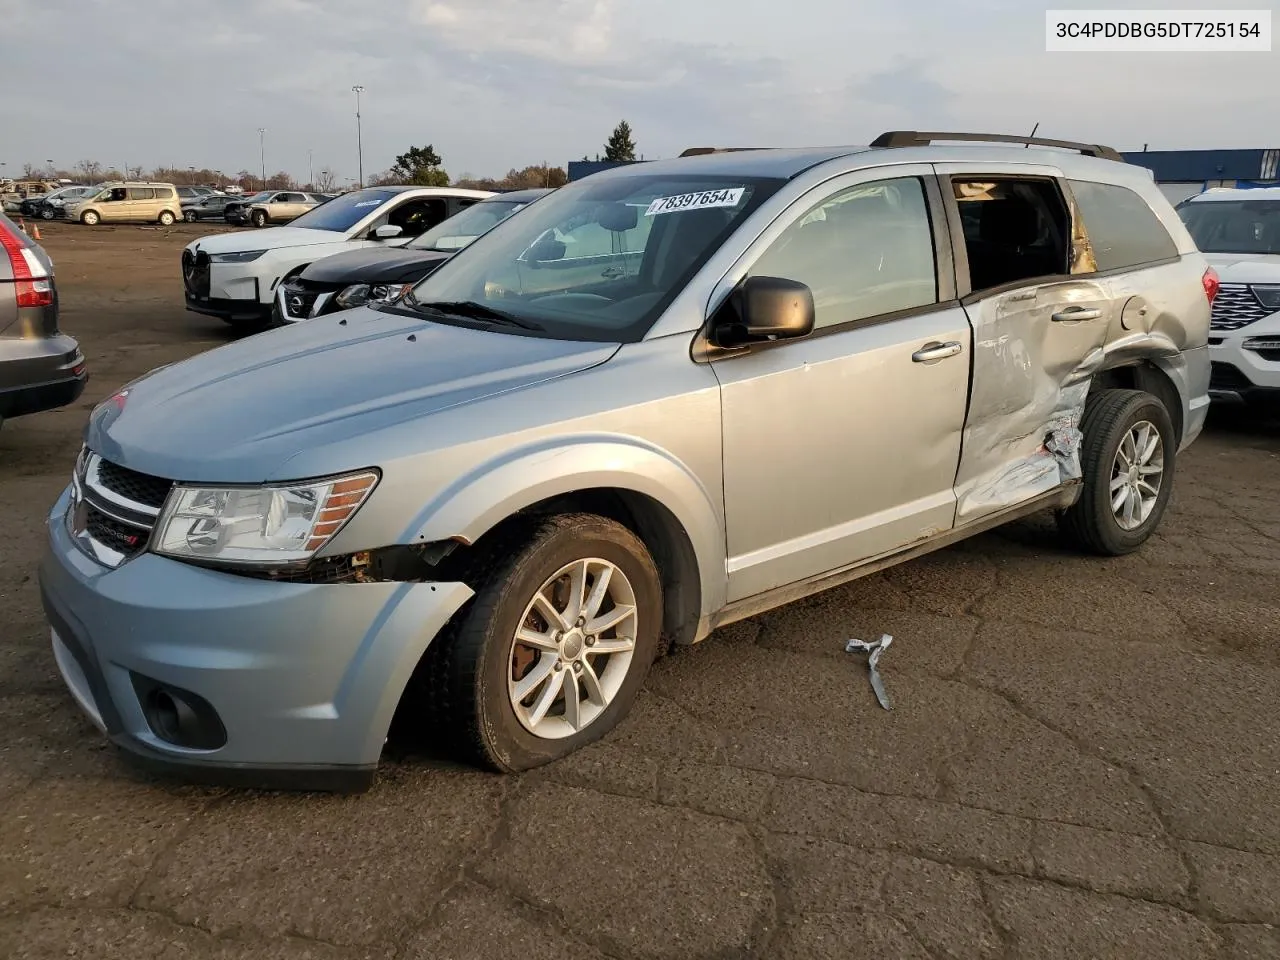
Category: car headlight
<point>1268,296</point>
<point>264,526</point>
<point>358,294</point>
<point>242,256</point>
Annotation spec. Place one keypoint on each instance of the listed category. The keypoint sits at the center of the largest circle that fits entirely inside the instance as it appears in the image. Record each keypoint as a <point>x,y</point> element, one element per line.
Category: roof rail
<point>914,138</point>
<point>701,151</point>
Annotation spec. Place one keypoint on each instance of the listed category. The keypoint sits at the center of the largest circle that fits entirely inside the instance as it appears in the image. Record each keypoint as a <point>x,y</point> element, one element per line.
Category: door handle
<point>1076,314</point>
<point>933,352</point>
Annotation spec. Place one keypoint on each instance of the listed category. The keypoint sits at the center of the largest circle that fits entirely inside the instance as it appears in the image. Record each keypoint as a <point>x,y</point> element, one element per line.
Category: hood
<point>1245,267</point>
<point>238,413</point>
<point>272,238</point>
<point>375,265</point>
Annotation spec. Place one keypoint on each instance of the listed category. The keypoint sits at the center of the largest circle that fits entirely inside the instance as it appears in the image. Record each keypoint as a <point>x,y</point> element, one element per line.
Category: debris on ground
<point>875,648</point>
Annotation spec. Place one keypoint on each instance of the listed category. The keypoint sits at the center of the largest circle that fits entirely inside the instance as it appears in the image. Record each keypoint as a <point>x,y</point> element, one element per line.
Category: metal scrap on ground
<point>875,648</point>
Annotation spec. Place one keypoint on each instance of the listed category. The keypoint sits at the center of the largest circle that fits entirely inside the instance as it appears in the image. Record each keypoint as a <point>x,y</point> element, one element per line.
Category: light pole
<point>52,172</point>
<point>311,169</point>
<point>357,90</point>
<point>262,152</point>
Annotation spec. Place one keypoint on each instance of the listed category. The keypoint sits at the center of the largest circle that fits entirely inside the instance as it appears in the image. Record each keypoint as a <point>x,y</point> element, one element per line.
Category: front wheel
<point>1127,460</point>
<point>167,218</point>
<point>47,213</point>
<point>190,216</point>
<point>554,648</point>
<point>259,218</point>
<point>89,218</point>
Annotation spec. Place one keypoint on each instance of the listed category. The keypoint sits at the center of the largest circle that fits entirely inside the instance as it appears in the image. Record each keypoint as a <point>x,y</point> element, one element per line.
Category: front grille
<point>138,487</point>
<point>1235,306</point>
<point>1223,376</point>
<point>195,273</point>
<point>298,300</point>
<point>113,509</point>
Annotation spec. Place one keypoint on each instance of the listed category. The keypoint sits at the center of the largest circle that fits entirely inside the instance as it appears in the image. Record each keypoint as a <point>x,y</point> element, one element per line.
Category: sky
<point>496,84</point>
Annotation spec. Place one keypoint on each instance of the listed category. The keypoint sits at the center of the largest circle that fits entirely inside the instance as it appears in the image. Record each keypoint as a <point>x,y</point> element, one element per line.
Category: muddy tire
<point>1127,460</point>
<point>167,218</point>
<point>552,651</point>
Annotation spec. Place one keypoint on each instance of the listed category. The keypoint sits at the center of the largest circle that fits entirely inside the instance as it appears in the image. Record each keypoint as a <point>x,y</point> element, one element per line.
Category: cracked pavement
<point>1082,761</point>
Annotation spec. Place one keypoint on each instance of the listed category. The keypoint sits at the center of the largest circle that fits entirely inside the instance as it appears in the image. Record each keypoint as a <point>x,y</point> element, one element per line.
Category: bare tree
<point>90,171</point>
<point>28,170</point>
<point>326,180</point>
<point>133,173</point>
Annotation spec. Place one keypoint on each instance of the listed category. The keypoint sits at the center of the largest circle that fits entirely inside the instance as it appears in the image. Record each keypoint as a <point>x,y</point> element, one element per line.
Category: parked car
<point>667,397</point>
<point>380,274</point>
<point>19,190</point>
<point>53,205</point>
<point>41,368</point>
<point>234,189</point>
<point>136,202</point>
<point>233,276</point>
<point>206,208</point>
<point>281,207</point>
<point>1239,232</point>
<point>237,210</point>
<point>195,193</point>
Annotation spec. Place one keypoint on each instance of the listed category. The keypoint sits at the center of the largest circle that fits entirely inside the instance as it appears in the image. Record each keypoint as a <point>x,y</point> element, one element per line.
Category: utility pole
<point>357,90</point>
<point>311,169</point>
<point>262,152</point>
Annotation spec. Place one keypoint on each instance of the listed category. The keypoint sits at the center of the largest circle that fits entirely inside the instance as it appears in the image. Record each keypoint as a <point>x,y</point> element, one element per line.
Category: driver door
<point>843,445</point>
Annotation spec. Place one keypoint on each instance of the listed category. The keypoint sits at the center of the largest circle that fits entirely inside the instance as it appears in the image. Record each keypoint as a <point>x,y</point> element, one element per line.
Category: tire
<point>47,213</point>
<point>259,218</point>
<point>89,218</point>
<point>190,216</point>
<point>468,678</point>
<point>1093,523</point>
<point>167,218</point>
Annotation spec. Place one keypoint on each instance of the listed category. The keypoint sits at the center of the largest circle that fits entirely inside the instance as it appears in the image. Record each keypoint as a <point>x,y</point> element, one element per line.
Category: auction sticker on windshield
<point>703,200</point>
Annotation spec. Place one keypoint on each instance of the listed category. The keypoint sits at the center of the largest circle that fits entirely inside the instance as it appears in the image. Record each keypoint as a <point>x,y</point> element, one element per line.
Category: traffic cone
<point>35,231</point>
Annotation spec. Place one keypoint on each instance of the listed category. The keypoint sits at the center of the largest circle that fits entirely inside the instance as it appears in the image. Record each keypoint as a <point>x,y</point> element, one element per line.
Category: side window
<point>1013,230</point>
<point>418,216</point>
<point>866,251</point>
<point>1123,230</point>
<point>142,193</point>
<point>164,193</point>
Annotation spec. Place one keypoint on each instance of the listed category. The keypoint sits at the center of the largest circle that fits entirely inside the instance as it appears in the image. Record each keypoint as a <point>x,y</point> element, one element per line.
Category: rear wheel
<point>89,218</point>
<point>554,648</point>
<point>1127,460</point>
<point>167,218</point>
<point>47,213</point>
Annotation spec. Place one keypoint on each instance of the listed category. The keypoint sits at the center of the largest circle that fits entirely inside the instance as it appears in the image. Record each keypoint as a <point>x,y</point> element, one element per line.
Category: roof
<point>1231,193</point>
<point>521,196</point>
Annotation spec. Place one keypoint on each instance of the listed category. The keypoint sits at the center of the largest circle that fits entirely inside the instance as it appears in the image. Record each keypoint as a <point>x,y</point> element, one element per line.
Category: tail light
<point>1211,283</point>
<point>33,283</point>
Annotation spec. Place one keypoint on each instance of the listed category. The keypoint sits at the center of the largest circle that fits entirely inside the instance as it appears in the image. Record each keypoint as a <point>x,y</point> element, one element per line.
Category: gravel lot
<point>1083,759</point>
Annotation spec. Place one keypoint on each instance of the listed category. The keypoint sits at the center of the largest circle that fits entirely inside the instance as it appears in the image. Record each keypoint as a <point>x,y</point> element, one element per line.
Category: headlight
<point>266,525</point>
<point>1268,296</point>
<point>358,294</point>
<point>243,256</point>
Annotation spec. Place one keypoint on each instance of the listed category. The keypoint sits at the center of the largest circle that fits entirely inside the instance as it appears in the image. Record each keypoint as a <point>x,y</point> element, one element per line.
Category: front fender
<point>499,488</point>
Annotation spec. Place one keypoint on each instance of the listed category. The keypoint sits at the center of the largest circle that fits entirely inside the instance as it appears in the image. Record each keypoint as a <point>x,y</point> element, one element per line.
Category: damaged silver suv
<point>664,398</point>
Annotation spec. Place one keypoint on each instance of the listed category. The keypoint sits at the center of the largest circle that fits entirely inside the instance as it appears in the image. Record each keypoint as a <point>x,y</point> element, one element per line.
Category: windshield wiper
<point>474,311</point>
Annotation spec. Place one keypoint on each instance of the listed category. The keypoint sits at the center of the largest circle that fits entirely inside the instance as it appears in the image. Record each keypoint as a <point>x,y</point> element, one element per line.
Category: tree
<point>280,180</point>
<point>133,173</point>
<point>90,171</point>
<point>620,145</point>
<point>28,171</point>
<point>326,180</point>
<point>420,166</point>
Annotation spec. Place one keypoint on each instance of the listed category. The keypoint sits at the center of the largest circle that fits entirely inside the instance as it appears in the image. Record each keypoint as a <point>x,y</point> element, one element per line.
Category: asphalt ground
<point>1082,759</point>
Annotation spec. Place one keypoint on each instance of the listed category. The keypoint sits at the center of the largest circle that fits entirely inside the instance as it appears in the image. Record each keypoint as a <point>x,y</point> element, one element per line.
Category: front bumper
<point>303,678</point>
<point>1246,362</point>
<point>296,302</point>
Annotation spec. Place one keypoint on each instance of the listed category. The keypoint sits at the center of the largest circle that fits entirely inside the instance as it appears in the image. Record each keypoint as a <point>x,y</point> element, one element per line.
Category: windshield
<point>599,259</point>
<point>460,229</point>
<point>342,213</point>
<point>1233,226</point>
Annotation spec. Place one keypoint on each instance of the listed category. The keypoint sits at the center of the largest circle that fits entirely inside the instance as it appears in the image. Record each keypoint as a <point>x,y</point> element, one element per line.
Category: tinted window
<point>1123,230</point>
<point>141,193</point>
<point>1233,226</point>
<point>599,259</point>
<point>459,230</point>
<point>865,251</point>
<point>164,193</point>
<point>344,212</point>
<point>1013,230</point>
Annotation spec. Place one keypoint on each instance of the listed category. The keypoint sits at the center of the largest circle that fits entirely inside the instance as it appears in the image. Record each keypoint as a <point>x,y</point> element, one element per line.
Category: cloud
<point>562,31</point>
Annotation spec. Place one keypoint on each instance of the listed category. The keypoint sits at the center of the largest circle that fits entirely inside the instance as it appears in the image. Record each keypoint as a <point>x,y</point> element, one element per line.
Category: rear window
<point>1123,230</point>
<point>141,193</point>
<point>164,193</point>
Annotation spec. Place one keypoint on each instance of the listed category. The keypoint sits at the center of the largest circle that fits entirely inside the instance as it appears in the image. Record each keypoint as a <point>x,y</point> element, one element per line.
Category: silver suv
<point>664,398</point>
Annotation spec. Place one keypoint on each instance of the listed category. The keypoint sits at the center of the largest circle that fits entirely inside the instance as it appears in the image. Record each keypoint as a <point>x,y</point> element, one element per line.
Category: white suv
<point>1238,231</point>
<point>233,276</point>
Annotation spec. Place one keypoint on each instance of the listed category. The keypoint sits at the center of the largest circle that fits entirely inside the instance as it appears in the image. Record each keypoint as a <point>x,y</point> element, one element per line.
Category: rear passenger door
<point>1040,318</point>
<point>843,445</point>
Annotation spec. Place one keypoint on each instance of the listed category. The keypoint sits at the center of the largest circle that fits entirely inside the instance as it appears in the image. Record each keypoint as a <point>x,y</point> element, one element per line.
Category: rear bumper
<point>21,401</point>
<point>41,374</point>
<point>301,680</point>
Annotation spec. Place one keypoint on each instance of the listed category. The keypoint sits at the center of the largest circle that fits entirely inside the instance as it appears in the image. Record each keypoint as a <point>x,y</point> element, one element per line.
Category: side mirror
<point>387,231</point>
<point>766,308</point>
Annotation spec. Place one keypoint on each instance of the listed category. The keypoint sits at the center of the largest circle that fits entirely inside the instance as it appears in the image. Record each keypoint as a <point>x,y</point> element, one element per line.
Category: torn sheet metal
<point>875,648</point>
<point>1031,376</point>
